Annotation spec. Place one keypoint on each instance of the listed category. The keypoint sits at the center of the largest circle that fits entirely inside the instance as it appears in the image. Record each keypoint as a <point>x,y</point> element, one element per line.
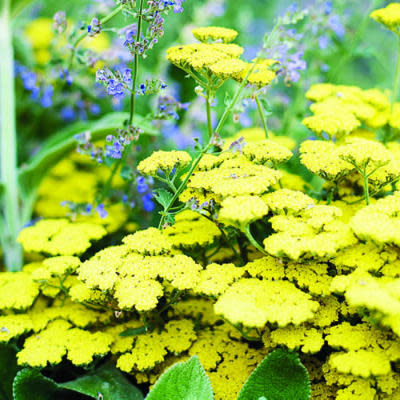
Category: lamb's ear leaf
<point>105,382</point>
<point>281,375</point>
<point>183,381</point>
<point>30,384</point>
<point>8,369</point>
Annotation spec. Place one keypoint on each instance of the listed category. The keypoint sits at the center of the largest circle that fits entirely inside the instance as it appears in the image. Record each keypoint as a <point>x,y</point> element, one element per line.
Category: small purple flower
<point>141,184</point>
<point>67,114</point>
<point>101,211</point>
<point>148,204</point>
<point>336,25</point>
<point>47,96</point>
<point>323,42</point>
<point>60,22</point>
<point>94,28</point>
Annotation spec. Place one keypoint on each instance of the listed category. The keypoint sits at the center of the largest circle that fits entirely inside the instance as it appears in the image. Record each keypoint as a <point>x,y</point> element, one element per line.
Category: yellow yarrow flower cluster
<point>241,211</point>
<point>314,233</point>
<point>388,16</point>
<point>164,161</point>
<point>379,222</point>
<point>339,110</point>
<point>60,237</point>
<point>217,57</point>
<point>214,33</point>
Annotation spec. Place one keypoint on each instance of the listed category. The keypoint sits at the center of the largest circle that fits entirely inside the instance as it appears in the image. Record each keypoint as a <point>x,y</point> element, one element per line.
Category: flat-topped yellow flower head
<point>388,16</point>
<point>214,33</point>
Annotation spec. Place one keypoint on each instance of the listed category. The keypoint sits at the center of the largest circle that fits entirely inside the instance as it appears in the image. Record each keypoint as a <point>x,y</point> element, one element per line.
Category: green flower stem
<point>136,64</point>
<point>253,241</point>
<point>208,107</point>
<point>262,115</point>
<point>196,161</point>
<point>366,186</point>
<point>235,99</point>
<point>11,224</point>
<point>182,186</point>
<point>396,76</point>
<point>84,34</point>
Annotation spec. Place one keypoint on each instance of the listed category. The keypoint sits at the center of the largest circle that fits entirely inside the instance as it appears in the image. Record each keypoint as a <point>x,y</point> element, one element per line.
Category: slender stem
<point>396,76</point>
<point>366,187</point>
<point>8,145</point>
<point>136,64</point>
<point>208,107</point>
<point>253,241</point>
<point>182,186</point>
<point>196,161</point>
<point>229,109</point>
<point>84,34</point>
<point>262,115</point>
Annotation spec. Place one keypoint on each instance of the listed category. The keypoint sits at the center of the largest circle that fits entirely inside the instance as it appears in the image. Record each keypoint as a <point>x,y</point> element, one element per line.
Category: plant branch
<point>262,115</point>
<point>136,64</point>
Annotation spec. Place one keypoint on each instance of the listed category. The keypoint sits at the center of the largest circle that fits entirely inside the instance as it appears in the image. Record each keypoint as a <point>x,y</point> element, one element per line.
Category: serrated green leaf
<point>62,143</point>
<point>281,375</point>
<point>163,197</point>
<point>106,381</point>
<point>183,381</point>
<point>30,384</point>
<point>8,369</point>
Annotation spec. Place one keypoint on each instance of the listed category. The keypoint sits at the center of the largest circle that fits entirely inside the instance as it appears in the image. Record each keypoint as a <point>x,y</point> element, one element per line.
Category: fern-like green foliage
<point>183,381</point>
<point>280,376</point>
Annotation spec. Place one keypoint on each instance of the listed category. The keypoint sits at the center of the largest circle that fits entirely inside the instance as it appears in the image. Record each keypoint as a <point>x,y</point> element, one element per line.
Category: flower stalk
<point>10,218</point>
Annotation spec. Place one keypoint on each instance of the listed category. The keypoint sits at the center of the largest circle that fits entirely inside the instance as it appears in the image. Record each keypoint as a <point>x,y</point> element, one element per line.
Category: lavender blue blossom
<point>148,204</point>
<point>117,83</point>
<point>101,211</point>
<point>141,184</point>
<point>153,14</point>
<point>60,22</point>
<point>94,28</point>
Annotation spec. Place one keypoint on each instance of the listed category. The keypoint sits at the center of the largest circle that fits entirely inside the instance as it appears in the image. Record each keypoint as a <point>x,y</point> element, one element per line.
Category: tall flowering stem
<point>136,63</point>
<point>397,74</point>
<point>262,115</point>
<point>215,133</point>
<point>9,217</point>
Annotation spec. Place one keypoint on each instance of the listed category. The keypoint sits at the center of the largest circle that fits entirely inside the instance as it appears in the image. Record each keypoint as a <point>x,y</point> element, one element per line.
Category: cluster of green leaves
<point>280,376</point>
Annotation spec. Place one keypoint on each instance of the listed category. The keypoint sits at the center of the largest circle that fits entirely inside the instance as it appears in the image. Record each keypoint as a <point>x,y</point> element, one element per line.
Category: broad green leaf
<point>62,143</point>
<point>281,375</point>
<point>8,369</point>
<point>183,381</point>
<point>106,381</point>
<point>163,197</point>
<point>30,384</point>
